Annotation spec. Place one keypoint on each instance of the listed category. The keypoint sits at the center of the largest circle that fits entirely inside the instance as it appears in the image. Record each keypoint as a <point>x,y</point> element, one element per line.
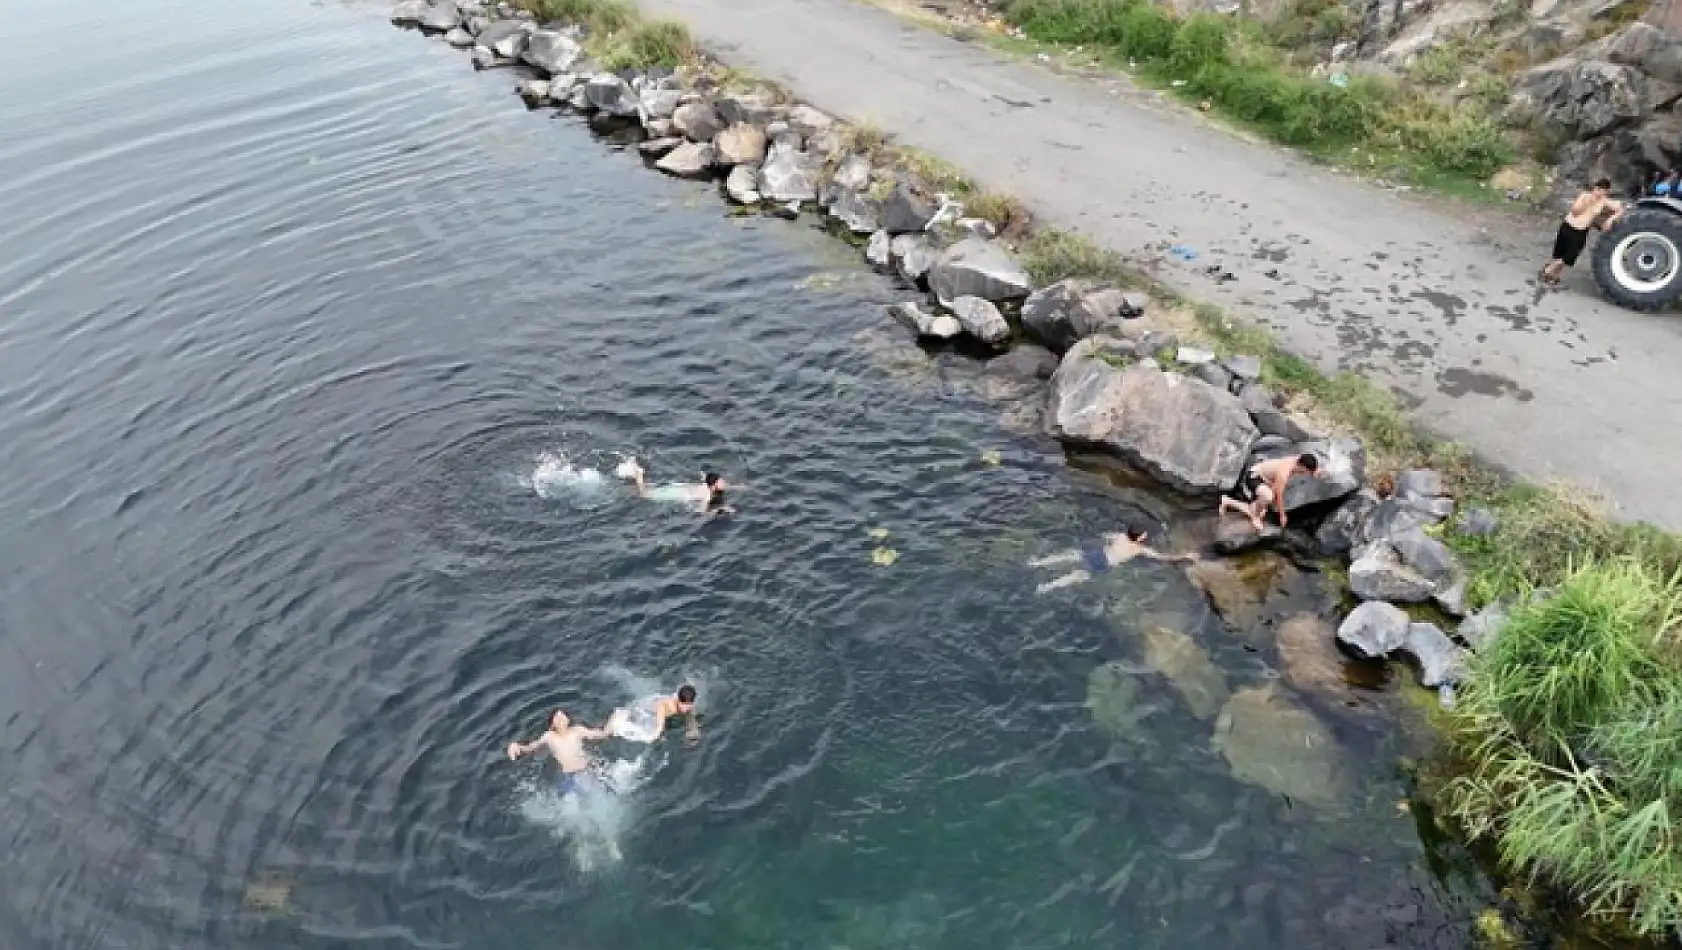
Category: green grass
<point>1569,729</point>
<point>617,36</point>
<point>1240,70</point>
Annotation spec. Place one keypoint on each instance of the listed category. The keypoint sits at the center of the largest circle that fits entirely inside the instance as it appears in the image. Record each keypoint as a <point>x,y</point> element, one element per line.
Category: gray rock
<point>1477,522</point>
<point>1343,527</point>
<point>1025,361</point>
<point>976,227</point>
<point>484,57</point>
<point>1214,374</point>
<point>912,255</point>
<point>1418,483</point>
<point>1649,49</point>
<point>1343,470</point>
<point>441,16</point>
<point>906,210</point>
<point>1194,356</point>
<point>535,92</point>
<point>1429,557</point>
<point>1480,629</point>
<point>1451,597</point>
<point>505,38</point>
<point>1184,432</point>
<point>740,144</point>
<point>476,23</point>
<point>981,319</point>
<point>699,121</point>
<point>1161,344</point>
<point>657,104</point>
<point>610,94</point>
<point>657,148</point>
<point>1389,518</point>
<point>689,160</point>
<point>878,250</point>
<point>925,324</point>
<point>856,212</point>
<point>1271,741</point>
<point>788,211</point>
<point>579,98</point>
<point>852,174</point>
<point>1441,660</point>
<point>1237,535</point>
<point>1068,311</point>
<point>551,51</point>
<point>459,38</point>
<point>1374,629</point>
<point>742,185</point>
<point>409,12</point>
<point>659,128</point>
<point>1377,572</point>
<point>1580,97</point>
<point>806,121</point>
<point>1134,304</point>
<point>788,175</point>
<point>1246,368</point>
<point>752,110</point>
<point>976,268</point>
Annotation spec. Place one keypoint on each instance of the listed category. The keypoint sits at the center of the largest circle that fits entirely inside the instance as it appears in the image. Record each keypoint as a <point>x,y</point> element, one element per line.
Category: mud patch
<point>1458,381</point>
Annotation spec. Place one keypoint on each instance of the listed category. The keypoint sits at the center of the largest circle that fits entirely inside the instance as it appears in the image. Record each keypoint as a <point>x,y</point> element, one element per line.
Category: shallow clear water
<point>307,334</point>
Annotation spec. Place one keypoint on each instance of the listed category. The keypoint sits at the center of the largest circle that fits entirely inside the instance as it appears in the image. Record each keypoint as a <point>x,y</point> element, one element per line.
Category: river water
<point>314,348</point>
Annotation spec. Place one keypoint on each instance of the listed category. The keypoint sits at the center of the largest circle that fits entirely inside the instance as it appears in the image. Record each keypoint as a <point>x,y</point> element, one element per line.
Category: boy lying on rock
<point>1263,484</point>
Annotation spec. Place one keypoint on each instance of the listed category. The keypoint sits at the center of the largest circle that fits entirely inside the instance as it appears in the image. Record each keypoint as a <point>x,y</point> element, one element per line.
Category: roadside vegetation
<point>616,34</point>
<point>1251,72</point>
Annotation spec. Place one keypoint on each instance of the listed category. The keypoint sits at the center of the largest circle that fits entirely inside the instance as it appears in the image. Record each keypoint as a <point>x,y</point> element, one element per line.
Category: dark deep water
<point>302,324</point>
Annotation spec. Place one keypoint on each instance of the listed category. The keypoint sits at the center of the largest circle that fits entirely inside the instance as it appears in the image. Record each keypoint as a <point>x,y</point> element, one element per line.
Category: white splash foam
<point>557,479</point>
<point>590,822</point>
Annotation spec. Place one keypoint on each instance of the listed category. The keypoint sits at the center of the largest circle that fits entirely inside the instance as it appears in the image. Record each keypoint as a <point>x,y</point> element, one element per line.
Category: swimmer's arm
<point>517,749</point>
<point>1169,558</point>
<point>594,735</point>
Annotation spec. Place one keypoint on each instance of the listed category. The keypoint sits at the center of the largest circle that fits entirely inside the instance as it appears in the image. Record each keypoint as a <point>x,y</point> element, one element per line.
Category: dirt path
<point>1560,385</point>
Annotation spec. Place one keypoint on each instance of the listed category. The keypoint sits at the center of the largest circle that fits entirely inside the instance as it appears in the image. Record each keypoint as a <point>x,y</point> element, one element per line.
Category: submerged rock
<point>1270,741</point>
<point>981,319</point>
<point>740,144</point>
<point>551,51</point>
<point>689,160</point>
<point>1188,669</point>
<point>1240,588</point>
<point>976,268</point>
<point>1374,629</point>
<point>1112,697</point>
<point>1309,655</point>
<point>1186,433</point>
<point>788,175</point>
<point>741,185</point>
<point>1069,311</point>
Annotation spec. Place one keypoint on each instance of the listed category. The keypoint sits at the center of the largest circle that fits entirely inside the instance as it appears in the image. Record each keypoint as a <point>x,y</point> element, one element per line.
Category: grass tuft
<point>617,36</point>
<point>1051,255</point>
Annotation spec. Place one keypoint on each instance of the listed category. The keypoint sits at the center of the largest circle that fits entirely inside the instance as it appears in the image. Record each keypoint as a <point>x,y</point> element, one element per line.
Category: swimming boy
<point>646,721</point>
<point>707,495</point>
<point>1263,484</point>
<point>1594,209</point>
<point>565,741</point>
<point>1118,548</point>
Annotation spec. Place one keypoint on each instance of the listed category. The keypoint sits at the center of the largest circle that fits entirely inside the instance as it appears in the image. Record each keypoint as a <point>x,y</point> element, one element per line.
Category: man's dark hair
<point>710,479</point>
<point>1603,183</point>
<point>686,693</point>
<point>1136,532</point>
<point>1308,461</point>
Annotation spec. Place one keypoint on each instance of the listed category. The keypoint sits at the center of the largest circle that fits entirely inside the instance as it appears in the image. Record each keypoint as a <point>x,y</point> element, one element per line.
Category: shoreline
<point>1065,320</point>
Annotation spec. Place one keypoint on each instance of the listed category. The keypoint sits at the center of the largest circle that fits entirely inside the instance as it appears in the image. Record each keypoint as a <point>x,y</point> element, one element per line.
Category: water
<point>317,356</point>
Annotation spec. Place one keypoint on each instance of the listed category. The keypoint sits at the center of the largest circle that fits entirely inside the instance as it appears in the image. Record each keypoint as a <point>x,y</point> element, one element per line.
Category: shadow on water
<point>325,353</point>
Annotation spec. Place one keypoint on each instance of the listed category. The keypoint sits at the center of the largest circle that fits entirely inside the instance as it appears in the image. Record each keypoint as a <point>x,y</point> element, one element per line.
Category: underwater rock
<point>1188,669</point>
<point>1270,741</point>
<point>1308,652</point>
<point>1112,697</point>
<point>1241,589</point>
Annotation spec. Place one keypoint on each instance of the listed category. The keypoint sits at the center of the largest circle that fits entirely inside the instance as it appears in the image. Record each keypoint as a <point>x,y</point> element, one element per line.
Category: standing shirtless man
<point>565,742</point>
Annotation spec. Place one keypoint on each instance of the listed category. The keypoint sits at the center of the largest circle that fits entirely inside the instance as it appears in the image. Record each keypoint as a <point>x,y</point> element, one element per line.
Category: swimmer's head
<point>685,698</point>
<point>559,721</point>
<point>714,482</point>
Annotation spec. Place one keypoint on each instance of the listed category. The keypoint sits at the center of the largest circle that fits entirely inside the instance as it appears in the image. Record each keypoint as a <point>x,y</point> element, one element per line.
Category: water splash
<point>591,821</point>
<point>556,479</point>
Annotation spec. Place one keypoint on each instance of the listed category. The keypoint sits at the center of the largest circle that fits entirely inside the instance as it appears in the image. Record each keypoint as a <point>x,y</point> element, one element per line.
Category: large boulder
<point>981,319</point>
<point>1377,572</point>
<point>657,103</point>
<point>459,38</point>
<point>1271,741</point>
<point>1069,311</point>
<point>856,212</point>
<point>1581,98</point>
<point>611,94</point>
<point>1188,669</point>
<point>788,175</point>
<point>699,121</point>
<point>853,174</point>
<point>689,160</point>
<point>1183,431</point>
<point>1342,472</point>
<point>1649,49</point>
<point>740,144</point>
<point>977,268</point>
<point>1374,629</point>
<point>441,16</point>
<point>505,38</point>
<point>551,51</point>
<point>1343,528</point>
<point>409,12</point>
<point>1442,662</point>
<point>1401,562</point>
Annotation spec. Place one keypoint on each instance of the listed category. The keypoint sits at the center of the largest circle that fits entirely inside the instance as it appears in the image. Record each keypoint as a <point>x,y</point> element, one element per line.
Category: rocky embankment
<point>1100,366</point>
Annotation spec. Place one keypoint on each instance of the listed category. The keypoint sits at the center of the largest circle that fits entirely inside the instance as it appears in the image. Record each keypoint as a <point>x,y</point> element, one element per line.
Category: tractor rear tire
<point>1638,264</point>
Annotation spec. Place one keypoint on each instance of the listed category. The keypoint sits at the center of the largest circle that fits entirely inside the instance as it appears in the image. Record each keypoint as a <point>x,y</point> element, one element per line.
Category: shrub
<point>1200,44</point>
<point>654,43</point>
<point>601,17</point>
<point>1101,22</point>
<point>1147,33</point>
